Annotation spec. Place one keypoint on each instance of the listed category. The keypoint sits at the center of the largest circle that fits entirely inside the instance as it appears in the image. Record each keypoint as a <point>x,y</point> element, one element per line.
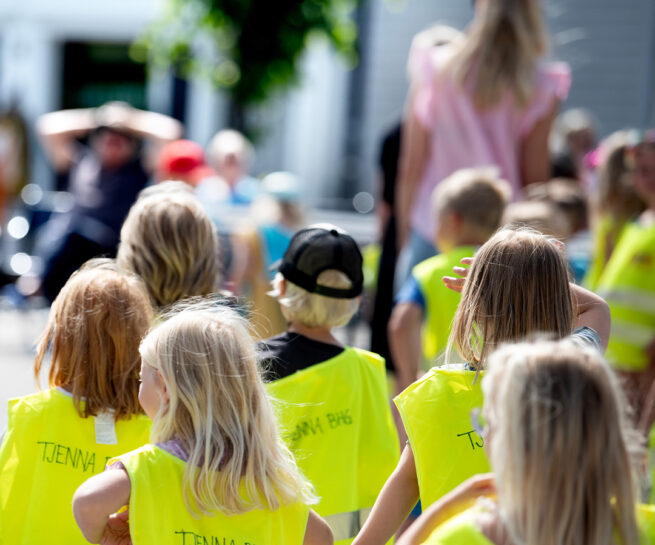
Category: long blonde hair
<point>94,329</point>
<point>561,446</point>
<point>501,50</point>
<point>518,284</point>
<point>219,410</point>
<point>170,242</point>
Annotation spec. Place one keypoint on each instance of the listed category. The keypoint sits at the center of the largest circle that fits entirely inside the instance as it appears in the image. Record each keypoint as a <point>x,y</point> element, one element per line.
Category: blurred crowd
<point>501,220</point>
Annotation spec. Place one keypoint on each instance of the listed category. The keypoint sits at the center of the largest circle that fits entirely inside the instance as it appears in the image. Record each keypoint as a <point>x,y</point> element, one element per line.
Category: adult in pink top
<point>487,99</point>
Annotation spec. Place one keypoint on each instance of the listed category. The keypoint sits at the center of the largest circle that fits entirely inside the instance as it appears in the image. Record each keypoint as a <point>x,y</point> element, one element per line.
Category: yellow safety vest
<point>335,417</point>
<point>436,412</point>
<point>628,286</point>
<point>463,530</point>
<point>158,514</point>
<point>440,302</point>
<point>459,530</point>
<point>48,451</point>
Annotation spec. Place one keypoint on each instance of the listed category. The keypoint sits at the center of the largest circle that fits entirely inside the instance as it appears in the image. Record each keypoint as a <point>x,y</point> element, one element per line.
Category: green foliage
<point>251,48</point>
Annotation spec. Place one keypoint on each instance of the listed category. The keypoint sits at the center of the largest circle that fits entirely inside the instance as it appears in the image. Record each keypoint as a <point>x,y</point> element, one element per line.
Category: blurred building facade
<point>327,130</point>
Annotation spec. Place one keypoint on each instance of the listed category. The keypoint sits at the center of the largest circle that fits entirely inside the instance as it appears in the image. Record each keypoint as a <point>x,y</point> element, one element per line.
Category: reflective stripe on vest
<point>628,286</point>
<point>436,414</point>
<point>440,302</point>
<point>347,525</point>
<point>336,419</point>
<point>155,475</point>
<point>47,452</point>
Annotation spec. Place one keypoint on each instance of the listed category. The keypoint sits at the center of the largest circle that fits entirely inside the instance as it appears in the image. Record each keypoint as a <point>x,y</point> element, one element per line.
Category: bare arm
<point>96,501</point>
<point>447,506</point>
<point>535,155</point>
<point>592,311</point>
<point>405,342</point>
<point>414,154</point>
<point>318,531</point>
<point>395,502</point>
<point>58,130</point>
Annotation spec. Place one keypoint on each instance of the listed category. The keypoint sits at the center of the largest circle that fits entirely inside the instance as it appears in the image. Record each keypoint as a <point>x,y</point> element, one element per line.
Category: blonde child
<point>333,398</point>
<point>517,285</point>
<point>170,242</point>
<point>216,470</point>
<point>563,451</point>
<point>59,437</point>
<point>469,205</point>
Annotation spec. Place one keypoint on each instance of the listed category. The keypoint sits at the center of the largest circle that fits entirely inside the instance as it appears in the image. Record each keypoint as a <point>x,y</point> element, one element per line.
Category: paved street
<point>18,333</point>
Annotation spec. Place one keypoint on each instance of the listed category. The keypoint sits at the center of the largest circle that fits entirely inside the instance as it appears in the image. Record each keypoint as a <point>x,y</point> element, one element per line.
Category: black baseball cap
<point>318,248</point>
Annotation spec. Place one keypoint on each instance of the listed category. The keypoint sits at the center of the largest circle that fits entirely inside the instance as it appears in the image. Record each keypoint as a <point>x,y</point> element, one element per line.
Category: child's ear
<point>164,390</point>
<point>283,287</point>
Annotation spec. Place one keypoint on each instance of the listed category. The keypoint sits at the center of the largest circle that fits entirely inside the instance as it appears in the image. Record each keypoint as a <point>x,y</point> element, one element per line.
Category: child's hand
<point>457,284</point>
<point>117,531</point>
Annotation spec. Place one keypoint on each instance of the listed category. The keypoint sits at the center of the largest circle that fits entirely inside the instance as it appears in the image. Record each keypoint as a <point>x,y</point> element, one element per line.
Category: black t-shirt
<point>289,352</point>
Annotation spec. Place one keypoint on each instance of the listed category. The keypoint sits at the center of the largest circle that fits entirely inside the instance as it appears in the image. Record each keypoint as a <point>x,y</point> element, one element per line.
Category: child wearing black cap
<point>333,404</point>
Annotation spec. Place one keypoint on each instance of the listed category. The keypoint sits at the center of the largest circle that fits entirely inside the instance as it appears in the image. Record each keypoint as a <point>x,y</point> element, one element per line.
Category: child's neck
<point>647,217</point>
<point>320,334</point>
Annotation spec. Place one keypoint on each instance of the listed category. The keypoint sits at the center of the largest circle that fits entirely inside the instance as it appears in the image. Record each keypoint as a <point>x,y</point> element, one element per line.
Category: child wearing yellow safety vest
<point>517,285</point>
<point>217,470</point>
<point>469,206</point>
<point>332,399</point>
<point>58,438</point>
<point>564,453</point>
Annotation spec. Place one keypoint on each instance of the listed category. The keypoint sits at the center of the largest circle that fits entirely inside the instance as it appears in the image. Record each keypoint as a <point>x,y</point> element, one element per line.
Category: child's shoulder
<point>36,402</point>
<point>443,263</point>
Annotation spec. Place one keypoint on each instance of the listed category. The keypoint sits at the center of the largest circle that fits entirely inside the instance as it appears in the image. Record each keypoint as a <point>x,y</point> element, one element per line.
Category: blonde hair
<point>561,446</point>
<point>477,195</point>
<point>568,196</point>
<point>94,329</point>
<point>313,310</point>
<point>170,242</point>
<point>517,285</point>
<point>219,410</point>
<point>500,52</point>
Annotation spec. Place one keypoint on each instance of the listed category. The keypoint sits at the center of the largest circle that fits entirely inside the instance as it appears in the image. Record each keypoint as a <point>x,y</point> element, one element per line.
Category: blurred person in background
<point>487,99</point>
<point>614,202</point>
<point>276,214</point>
<point>104,178</point>
<point>570,198</point>
<point>183,160</point>
<point>628,282</point>
<point>231,154</point>
<point>573,137</point>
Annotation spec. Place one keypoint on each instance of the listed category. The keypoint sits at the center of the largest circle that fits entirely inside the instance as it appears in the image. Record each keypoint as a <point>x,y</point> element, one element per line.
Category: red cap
<point>183,159</point>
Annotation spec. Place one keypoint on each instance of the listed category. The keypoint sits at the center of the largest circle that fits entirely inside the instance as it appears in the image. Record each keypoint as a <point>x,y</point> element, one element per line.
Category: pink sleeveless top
<point>463,137</point>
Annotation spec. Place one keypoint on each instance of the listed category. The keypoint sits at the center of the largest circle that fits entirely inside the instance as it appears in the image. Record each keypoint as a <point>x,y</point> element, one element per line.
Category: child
<point>170,242</point>
<point>628,284</point>
<point>615,203</point>
<point>547,404</point>
<point>469,205</point>
<point>628,279</point>
<point>59,437</point>
<point>517,285</point>
<point>333,399</point>
<point>216,458</point>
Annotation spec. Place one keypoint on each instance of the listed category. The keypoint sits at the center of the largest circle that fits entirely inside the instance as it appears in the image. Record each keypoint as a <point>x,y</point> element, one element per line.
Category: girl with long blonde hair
<point>59,437</point>
<point>564,454</point>
<point>216,456</point>
<point>517,285</point>
<point>486,99</point>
